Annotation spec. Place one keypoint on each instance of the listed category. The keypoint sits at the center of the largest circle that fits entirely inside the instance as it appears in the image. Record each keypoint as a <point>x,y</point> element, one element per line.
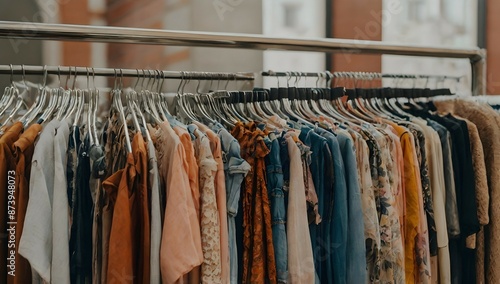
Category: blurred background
<point>450,23</point>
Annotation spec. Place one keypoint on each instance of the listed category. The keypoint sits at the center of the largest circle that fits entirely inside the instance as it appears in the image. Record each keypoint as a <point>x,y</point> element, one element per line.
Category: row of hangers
<point>58,102</point>
<point>144,102</point>
<point>302,104</point>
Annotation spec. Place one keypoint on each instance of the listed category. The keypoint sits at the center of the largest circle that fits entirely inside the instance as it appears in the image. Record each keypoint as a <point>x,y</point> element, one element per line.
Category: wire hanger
<point>118,104</point>
<point>28,117</point>
<point>134,105</point>
<point>199,105</point>
<point>65,98</point>
<point>55,99</point>
<point>95,96</point>
<point>8,90</point>
<point>158,99</point>
<point>12,93</point>
<point>220,100</point>
<point>80,102</point>
<point>73,99</point>
<point>18,104</point>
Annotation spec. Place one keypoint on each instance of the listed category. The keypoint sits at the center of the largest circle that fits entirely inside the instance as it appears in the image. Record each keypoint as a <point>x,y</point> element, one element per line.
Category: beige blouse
<point>300,255</point>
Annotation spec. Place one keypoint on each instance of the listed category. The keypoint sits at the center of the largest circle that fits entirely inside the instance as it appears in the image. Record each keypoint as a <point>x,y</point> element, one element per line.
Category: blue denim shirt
<point>320,234</point>
<point>338,228</point>
<point>277,199</point>
<point>356,257</point>
<point>235,170</point>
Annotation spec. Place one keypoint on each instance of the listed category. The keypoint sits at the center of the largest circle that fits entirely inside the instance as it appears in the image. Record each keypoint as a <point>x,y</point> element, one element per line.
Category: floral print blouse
<point>391,250</point>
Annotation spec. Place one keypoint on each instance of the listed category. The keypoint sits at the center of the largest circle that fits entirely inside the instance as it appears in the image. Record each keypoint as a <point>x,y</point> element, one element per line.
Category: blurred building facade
<point>427,22</point>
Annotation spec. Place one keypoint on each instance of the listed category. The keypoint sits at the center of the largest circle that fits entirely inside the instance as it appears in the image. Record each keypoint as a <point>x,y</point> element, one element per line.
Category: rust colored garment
<point>24,148</point>
<point>7,163</point>
<point>121,259</point>
<point>128,260</point>
<point>259,264</point>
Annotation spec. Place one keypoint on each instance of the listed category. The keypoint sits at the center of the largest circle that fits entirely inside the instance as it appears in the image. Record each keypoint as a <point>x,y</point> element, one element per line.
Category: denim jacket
<point>235,169</point>
<point>322,172</point>
<point>338,227</point>
<point>356,257</point>
<point>277,199</point>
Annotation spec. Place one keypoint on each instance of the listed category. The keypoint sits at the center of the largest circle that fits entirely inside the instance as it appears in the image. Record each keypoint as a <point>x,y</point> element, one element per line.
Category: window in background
<point>298,19</point>
<point>450,23</point>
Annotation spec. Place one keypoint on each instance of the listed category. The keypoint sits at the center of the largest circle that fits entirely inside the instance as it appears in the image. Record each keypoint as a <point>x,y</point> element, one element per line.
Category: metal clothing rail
<point>119,72</point>
<point>62,32</point>
<point>355,75</point>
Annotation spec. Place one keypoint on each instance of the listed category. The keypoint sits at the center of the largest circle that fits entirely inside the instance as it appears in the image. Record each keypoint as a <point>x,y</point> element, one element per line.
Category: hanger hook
<point>11,74</point>
<point>74,81</point>
<point>180,83</point>
<point>143,78</point>
<point>45,75</point>
<point>138,78</point>
<point>198,86</point>
<point>116,79</point>
<point>219,75</point>
<point>24,76</point>
<point>58,74</point>
<point>121,78</point>
<point>162,81</point>
<point>93,79</point>
<point>88,77</point>
<point>157,72</point>
<point>67,78</point>
<point>156,81</point>
<point>227,81</point>
<point>329,77</point>
<point>146,77</point>
<point>211,77</point>
<point>152,73</point>
<point>151,80</point>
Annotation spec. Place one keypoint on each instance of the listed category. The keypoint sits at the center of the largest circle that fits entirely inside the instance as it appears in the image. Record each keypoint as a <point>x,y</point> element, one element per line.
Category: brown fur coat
<point>487,122</point>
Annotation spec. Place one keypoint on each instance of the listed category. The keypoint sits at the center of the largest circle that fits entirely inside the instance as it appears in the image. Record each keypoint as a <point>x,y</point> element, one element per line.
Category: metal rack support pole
<point>63,32</point>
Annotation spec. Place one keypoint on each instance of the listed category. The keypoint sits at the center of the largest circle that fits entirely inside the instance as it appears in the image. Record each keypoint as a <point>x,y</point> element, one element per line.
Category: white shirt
<point>45,237</point>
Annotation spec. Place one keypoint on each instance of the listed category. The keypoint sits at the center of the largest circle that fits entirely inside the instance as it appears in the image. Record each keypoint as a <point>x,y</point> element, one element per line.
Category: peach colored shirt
<point>180,250</point>
<point>194,184</point>
<point>192,170</point>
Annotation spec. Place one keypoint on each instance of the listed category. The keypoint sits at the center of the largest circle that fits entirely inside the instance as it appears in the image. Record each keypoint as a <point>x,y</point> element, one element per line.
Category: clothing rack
<point>119,72</point>
<point>64,32</point>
